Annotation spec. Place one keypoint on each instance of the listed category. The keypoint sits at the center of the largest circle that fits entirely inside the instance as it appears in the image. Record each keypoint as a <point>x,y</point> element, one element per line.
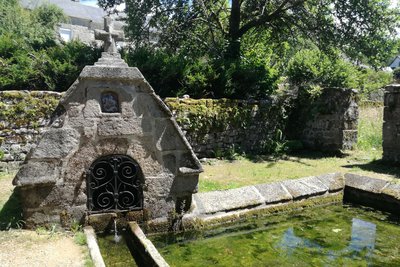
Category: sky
<point>94,3</point>
<point>122,6</point>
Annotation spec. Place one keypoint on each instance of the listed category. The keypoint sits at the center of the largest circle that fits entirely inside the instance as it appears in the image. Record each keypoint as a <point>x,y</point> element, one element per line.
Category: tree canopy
<point>365,30</point>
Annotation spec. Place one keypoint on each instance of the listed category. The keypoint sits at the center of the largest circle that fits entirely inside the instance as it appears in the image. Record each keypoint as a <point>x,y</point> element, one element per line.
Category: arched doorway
<point>115,184</point>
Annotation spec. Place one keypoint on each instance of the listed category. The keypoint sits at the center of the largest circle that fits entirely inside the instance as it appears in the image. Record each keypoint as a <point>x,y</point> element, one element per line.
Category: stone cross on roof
<point>109,35</point>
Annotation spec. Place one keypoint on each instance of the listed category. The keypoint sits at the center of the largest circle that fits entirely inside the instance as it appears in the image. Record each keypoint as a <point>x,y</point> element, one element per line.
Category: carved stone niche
<point>112,147</point>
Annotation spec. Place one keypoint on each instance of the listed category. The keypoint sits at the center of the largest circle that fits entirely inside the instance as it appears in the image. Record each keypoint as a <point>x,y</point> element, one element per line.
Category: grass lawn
<point>365,160</point>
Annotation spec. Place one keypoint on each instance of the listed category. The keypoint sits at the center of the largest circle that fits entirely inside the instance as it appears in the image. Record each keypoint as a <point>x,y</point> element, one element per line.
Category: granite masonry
<point>391,123</point>
<point>112,146</point>
<point>211,126</point>
<point>332,121</point>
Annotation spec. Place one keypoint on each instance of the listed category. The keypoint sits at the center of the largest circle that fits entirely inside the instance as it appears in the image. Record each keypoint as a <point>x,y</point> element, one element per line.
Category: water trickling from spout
<point>117,238</point>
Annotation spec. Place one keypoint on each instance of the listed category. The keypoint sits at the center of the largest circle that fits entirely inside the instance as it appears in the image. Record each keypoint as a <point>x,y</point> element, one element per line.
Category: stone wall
<point>215,126</point>
<point>23,115</point>
<point>330,122</point>
<point>212,126</point>
<point>391,123</point>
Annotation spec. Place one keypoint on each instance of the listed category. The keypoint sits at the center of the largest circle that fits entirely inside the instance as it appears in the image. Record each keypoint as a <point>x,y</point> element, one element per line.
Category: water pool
<point>115,254</point>
<point>323,236</point>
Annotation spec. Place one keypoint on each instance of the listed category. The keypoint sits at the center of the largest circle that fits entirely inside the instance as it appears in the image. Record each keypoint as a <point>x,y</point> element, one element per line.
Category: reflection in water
<point>290,242</point>
<point>363,236</point>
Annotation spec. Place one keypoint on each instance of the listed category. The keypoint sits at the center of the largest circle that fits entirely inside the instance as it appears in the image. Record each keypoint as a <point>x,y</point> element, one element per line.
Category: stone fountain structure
<point>112,146</point>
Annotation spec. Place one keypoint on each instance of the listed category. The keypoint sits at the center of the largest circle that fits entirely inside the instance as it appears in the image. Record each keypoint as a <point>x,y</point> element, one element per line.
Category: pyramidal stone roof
<point>109,110</point>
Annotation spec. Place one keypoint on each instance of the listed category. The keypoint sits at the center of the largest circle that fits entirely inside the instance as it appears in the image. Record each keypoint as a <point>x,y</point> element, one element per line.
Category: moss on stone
<point>25,109</point>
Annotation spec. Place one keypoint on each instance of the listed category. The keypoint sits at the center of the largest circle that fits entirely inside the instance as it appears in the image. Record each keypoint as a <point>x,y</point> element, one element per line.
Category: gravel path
<point>36,248</point>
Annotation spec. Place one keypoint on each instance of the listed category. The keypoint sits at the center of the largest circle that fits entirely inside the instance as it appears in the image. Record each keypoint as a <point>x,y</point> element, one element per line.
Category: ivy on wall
<point>248,125</point>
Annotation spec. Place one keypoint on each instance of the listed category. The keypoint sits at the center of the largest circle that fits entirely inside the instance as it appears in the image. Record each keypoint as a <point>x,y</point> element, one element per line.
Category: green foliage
<point>206,115</point>
<point>79,235</point>
<point>27,110</point>
<point>311,67</point>
<point>176,74</point>
<point>80,238</point>
<point>160,68</point>
<point>370,128</point>
<point>369,81</point>
<point>276,146</point>
<point>30,56</point>
<point>231,153</point>
<point>363,30</point>
<point>248,78</point>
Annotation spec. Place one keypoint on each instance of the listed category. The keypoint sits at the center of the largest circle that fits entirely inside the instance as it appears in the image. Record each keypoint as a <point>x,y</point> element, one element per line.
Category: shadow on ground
<point>11,213</point>
<point>378,166</point>
<point>296,156</point>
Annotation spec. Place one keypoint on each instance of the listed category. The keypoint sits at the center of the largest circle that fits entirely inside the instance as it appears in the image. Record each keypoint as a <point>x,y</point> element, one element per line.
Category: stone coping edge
<point>229,206</point>
<point>148,251</point>
<point>210,221</point>
<point>215,202</point>
<point>93,247</point>
<point>377,193</point>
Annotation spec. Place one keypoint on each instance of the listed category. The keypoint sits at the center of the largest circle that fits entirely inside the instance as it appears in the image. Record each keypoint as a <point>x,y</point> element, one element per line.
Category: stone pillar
<point>331,121</point>
<point>391,123</point>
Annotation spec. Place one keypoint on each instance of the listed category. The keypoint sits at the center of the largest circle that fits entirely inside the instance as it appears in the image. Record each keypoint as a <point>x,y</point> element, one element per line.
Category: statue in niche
<point>109,102</point>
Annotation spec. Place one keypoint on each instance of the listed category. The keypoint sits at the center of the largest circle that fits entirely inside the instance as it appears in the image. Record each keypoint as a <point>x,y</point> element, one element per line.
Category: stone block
<point>119,126</point>
<point>333,181</point>
<point>185,184</point>
<point>75,110</point>
<point>274,193</point>
<point>92,109</point>
<point>101,222</point>
<point>365,183</point>
<point>220,201</point>
<point>158,186</point>
<point>111,146</point>
<point>169,162</point>
<point>147,124</point>
<point>56,143</point>
<point>392,190</point>
<point>158,206</point>
<point>164,135</point>
<point>305,187</point>
<point>35,173</point>
<point>111,73</point>
<point>146,105</point>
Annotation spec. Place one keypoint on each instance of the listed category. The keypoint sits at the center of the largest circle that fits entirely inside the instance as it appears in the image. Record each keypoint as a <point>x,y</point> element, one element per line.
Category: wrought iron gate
<point>114,184</point>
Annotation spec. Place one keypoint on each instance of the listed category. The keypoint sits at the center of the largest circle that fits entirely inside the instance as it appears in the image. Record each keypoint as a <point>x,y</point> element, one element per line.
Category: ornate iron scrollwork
<point>114,184</point>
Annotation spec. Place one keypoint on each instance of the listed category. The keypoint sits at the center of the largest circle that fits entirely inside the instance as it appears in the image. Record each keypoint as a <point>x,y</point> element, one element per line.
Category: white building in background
<point>84,17</point>
<point>395,63</point>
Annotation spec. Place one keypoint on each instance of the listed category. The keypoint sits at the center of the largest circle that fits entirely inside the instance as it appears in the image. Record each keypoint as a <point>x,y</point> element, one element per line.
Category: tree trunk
<point>233,50</point>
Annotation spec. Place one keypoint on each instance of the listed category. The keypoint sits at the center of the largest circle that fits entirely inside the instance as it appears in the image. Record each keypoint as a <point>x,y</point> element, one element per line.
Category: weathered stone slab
<point>365,183</point>
<point>34,173</point>
<point>392,190</point>
<point>274,193</point>
<point>305,187</point>
<point>239,198</point>
<point>119,126</point>
<point>56,143</point>
<point>149,254</point>
<point>111,73</point>
<point>334,181</point>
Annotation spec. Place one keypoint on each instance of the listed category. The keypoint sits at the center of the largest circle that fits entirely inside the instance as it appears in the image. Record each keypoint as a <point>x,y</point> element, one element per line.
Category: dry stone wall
<point>330,122</point>
<point>212,126</point>
<point>391,124</point>
<point>23,116</point>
